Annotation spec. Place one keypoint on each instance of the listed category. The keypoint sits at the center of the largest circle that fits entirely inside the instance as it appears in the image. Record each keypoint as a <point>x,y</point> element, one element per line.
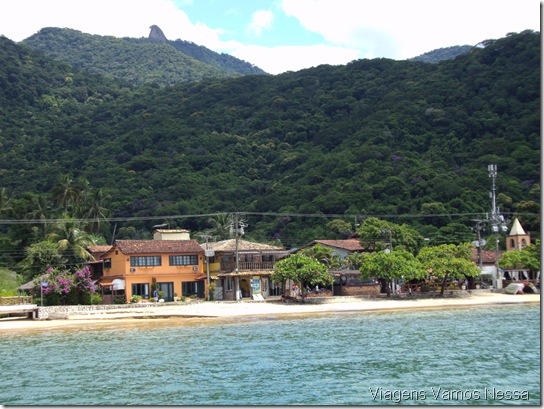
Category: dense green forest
<point>139,61</point>
<point>305,155</point>
<point>441,54</point>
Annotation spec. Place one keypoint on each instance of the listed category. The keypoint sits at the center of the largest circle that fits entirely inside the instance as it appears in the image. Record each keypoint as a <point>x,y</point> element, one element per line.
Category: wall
<point>361,290</point>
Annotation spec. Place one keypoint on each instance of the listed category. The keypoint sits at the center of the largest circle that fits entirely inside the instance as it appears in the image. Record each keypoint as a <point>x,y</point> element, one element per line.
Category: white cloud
<point>120,18</point>
<point>276,60</point>
<point>260,20</point>
<point>351,29</point>
<point>403,29</point>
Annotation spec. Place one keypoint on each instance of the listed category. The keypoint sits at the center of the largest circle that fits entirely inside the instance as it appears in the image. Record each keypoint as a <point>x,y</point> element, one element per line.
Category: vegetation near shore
<point>87,157</point>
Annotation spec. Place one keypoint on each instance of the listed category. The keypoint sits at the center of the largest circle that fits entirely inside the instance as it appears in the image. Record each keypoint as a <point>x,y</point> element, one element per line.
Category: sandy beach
<point>203,311</point>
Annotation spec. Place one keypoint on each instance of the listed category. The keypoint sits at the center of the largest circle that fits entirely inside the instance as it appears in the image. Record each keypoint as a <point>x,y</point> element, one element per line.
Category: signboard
<point>256,284</point>
<point>44,284</point>
<point>209,253</point>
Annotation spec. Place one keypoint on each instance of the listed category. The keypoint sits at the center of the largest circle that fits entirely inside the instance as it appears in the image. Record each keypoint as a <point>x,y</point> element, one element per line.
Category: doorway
<point>168,290</point>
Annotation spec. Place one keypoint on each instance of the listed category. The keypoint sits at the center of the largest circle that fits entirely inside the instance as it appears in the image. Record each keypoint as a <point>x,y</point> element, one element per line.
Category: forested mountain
<point>405,140</point>
<point>441,54</point>
<point>140,61</point>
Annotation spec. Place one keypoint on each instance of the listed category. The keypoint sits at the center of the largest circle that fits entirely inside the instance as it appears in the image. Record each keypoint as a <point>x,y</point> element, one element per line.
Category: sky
<point>285,35</point>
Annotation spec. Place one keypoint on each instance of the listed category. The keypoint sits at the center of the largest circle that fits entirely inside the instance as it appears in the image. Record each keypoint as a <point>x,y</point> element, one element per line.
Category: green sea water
<point>464,356</point>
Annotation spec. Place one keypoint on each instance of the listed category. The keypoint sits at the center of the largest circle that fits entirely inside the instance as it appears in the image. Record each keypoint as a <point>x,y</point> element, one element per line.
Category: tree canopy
<point>448,261</point>
<point>303,270</point>
<point>406,141</point>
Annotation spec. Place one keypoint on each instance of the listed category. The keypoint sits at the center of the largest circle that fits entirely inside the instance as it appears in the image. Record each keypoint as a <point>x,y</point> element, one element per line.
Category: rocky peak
<point>157,35</point>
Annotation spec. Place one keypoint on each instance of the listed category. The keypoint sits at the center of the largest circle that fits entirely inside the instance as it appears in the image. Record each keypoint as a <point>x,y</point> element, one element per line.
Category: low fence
<point>63,311</point>
<point>16,300</point>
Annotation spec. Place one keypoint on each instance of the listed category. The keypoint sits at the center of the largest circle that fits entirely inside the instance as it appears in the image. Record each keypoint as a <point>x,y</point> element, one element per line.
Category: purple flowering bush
<point>66,288</point>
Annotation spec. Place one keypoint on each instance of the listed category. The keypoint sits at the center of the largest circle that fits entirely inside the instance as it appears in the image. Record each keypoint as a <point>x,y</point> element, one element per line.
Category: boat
<point>514,288</point>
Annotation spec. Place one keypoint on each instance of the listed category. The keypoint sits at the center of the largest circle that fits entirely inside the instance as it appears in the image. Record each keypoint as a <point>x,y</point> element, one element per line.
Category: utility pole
<point>237,227</point>
<point>207,254</point>
<point>497,222</point>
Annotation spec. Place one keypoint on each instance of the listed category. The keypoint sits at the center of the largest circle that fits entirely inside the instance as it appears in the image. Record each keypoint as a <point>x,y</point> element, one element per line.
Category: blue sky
<point>285,35</point>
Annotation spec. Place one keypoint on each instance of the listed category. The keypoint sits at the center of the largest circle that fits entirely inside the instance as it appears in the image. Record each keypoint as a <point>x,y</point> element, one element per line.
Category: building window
<point>145,261</point>
<point>183,260</point>
<point>189,288</point>
<point>107,263</point>
<point>141,289</point>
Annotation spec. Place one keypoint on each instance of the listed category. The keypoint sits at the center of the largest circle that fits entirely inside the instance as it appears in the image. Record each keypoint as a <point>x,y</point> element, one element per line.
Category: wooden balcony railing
<point>248,266</point>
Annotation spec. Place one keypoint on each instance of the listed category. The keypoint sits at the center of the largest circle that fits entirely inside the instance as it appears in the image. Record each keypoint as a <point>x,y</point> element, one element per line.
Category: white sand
<point>206,310</point>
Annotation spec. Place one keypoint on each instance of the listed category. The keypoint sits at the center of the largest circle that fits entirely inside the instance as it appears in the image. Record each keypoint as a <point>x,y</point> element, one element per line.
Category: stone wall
<point>361,290</point>
<point>63,311</point>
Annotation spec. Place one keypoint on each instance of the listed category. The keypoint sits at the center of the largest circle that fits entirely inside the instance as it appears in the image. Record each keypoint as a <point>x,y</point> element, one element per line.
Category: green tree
<point>96,205</point>
<point>527,258</point>
<point>341,227</point>
<point>39,257</point>
<point>5,203</point>
<point>448,261</point>
<point>354,261</point>
<point>9,281</point>
<point>376,234</point>
<point>64,191</point>
<point>302,270</point>
<point>398,264</point>
<point>323,254</point>
<point>221,226</point>
<point>72,241</point>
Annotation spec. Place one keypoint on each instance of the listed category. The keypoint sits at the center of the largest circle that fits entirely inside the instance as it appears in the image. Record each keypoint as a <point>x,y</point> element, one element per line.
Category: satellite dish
<point>483,242</point>
<point>476,243</point>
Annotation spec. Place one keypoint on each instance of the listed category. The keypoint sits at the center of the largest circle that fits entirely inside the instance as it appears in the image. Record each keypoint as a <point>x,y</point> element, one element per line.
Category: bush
<point>119,299</point>
<point>51,299</point>
<point>135,298</point>
<point>96,299</point>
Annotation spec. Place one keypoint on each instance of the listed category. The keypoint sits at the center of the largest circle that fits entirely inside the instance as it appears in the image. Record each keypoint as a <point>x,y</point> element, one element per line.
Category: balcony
<point>248,266</point>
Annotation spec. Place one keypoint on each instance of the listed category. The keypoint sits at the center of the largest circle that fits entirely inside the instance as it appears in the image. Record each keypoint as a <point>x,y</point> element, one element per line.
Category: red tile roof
<point>348,244</point>
<point>97,251</point>
<point>488,256</point>
<point>158,246</point>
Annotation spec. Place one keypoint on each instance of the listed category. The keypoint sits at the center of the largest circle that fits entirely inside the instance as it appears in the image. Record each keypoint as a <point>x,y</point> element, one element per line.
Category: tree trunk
<point>443,285</point>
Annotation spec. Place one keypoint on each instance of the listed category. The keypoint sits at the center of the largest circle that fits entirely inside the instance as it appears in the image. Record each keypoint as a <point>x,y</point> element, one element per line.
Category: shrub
<point>96,299</point>
<point>119,299</point>
<point>135,298</point>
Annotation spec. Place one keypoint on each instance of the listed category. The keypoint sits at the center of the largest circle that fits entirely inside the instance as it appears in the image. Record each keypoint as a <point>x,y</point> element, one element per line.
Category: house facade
<point>241,269</point>
<point>171,262</point>
<point>347,281</point>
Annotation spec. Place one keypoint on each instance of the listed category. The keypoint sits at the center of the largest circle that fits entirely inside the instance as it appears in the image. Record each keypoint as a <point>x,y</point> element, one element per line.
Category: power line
<point>272,214</point>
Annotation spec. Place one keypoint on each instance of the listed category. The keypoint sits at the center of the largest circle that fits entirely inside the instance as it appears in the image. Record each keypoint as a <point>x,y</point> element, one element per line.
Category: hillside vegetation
<point>405,140</point>
<point>139,61</point>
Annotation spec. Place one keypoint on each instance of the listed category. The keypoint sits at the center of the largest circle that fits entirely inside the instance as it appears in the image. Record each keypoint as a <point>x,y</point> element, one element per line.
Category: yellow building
<point>517,239</point>
<point>171,262</point>
<point>242,269</point>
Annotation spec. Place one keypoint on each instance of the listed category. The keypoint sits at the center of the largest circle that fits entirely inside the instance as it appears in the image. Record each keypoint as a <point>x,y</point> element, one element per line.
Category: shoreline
<point>214,312</point>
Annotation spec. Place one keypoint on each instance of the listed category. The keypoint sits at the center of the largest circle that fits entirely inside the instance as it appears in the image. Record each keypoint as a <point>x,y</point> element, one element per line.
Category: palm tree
<point>96,208</point>
<point>72,242</point>
<point>324,255</point>
<point>5,203</point>
<point>41,209</point>
<point>354,261</point>
<point>64,191</point>
<point>221,226</point>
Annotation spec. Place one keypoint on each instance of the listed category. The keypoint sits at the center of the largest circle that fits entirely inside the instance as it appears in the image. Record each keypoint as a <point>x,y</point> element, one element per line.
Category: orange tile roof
<point>488,256</point>
<point>158,246</point>
<point>348,244</point>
